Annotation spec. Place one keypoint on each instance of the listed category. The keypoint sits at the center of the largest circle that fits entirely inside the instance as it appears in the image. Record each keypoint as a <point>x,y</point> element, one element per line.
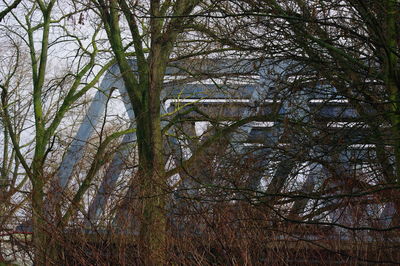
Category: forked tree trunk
<point>144,88</point>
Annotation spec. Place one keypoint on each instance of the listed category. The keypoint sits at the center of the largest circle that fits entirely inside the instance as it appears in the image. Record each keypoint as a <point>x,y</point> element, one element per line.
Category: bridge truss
<point>306,151</point>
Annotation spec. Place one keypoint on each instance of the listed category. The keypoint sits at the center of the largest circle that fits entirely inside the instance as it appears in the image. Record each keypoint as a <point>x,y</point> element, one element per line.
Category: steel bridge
<point>311,136</point>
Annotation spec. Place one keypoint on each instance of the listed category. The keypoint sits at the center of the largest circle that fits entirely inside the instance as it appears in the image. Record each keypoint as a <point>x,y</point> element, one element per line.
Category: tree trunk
<point>152,246</point>
<point>45,229</point>
<point>39,236</point>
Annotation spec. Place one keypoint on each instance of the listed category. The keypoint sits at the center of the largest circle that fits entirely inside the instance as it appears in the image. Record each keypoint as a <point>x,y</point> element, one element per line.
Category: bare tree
<point>40,33</point>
